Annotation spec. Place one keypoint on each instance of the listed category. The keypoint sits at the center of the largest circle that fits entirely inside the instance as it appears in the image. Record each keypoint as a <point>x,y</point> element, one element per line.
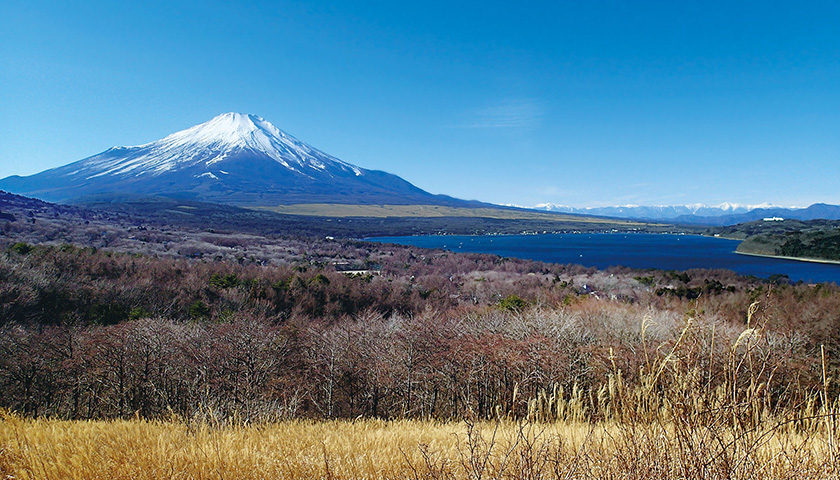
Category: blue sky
<point>584,103</point>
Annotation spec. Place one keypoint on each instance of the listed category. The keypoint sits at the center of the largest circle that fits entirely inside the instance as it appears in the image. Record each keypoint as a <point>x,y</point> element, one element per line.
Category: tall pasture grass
<point>410,449</point>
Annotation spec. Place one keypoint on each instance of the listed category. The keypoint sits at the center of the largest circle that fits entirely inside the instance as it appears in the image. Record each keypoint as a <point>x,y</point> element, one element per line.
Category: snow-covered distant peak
<point>551,207</point>
<point>661,212</point>
<point>742,206</point>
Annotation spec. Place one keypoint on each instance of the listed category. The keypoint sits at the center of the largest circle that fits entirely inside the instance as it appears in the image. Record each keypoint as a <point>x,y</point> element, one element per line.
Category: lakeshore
<point>794,259</point>
<point>637,250</point>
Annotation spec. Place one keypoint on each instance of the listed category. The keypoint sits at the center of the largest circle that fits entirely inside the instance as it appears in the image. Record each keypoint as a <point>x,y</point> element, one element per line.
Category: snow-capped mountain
<point>659,212</point>
<point>233,158</point>
<point>722,214</point>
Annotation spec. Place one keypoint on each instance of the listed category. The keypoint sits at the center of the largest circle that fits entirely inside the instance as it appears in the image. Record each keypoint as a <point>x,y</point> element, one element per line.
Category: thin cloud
<point>517,113</point>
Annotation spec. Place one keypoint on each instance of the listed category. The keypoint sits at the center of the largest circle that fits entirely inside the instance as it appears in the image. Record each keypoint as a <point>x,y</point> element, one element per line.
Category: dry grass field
<point>368,449</point>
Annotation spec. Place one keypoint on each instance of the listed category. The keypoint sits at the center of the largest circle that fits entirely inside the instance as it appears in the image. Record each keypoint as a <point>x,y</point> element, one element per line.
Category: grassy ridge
<point>426,211</point>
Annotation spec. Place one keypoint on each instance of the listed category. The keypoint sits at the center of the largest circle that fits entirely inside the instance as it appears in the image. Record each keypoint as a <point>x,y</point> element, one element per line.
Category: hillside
<point>805,240</point>
<point>197,318</point>
<point>135,347</point>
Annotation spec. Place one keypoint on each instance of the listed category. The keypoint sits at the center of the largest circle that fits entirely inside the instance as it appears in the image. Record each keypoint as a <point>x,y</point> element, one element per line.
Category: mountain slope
<point>233,158</point>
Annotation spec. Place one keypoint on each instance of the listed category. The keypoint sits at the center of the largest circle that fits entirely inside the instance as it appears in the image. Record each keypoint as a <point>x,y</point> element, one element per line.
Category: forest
<point>91,334</point>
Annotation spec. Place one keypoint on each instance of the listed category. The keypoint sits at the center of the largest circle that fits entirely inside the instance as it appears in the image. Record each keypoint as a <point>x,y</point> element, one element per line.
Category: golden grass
<point>368,449</point>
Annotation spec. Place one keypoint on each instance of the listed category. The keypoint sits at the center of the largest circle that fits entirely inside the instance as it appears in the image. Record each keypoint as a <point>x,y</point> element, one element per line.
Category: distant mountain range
<point>234,159</point>
<point>699,214</point>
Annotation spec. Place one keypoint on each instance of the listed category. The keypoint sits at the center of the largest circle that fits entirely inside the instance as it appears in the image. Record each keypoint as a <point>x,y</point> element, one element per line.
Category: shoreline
<point>795,259</point>
<point>575,232</point>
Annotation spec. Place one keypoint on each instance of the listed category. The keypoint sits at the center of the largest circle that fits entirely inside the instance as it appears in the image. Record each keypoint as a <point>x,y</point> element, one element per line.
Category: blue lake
<point>602,250</point>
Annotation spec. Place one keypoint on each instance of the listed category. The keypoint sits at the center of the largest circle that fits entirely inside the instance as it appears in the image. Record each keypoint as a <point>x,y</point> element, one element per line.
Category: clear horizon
<point>594,104</point>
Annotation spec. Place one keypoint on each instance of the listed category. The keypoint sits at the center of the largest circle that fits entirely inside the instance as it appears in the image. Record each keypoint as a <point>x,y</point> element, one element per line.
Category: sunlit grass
<point>138,449</point>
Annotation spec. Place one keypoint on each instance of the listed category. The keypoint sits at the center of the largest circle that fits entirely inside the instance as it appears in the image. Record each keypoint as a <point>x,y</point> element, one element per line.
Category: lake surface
<point>636,250</point>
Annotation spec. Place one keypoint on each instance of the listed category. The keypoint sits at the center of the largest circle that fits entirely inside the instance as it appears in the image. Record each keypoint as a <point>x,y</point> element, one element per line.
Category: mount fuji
<point>234,158</point>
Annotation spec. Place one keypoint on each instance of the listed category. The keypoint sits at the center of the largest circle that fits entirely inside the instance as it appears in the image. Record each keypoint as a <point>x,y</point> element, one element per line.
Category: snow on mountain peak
<point>232,130</point>
<point>212,142</point>
<point>225,133</point>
